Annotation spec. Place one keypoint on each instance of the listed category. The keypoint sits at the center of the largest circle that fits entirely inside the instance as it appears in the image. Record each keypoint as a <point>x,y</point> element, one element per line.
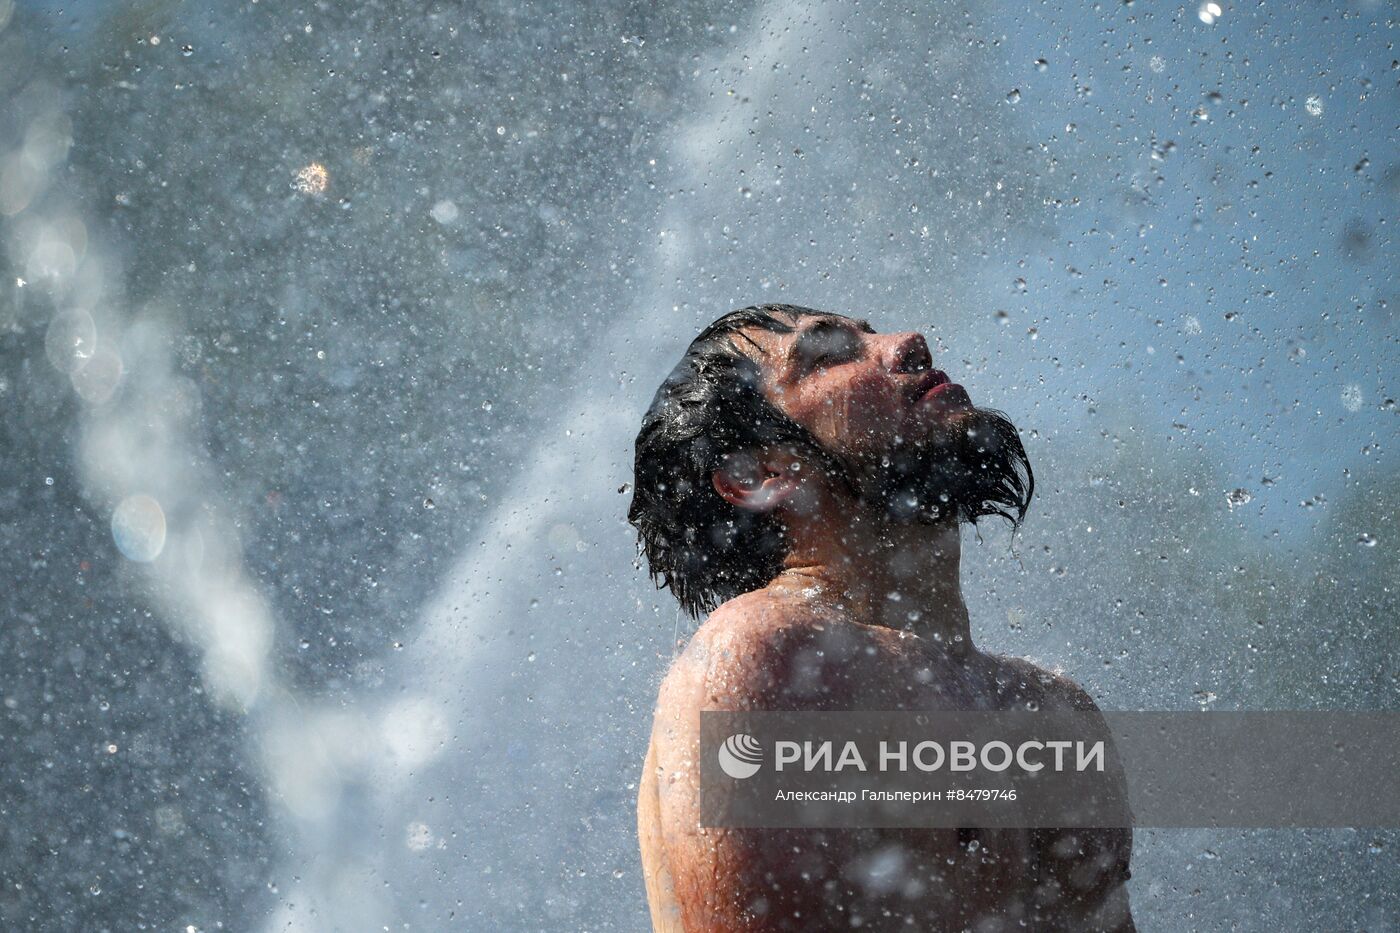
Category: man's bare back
<point>779,649</point>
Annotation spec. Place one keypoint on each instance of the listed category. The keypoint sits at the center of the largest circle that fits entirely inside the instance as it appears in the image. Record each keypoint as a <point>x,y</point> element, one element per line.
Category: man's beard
<point>967,464</point>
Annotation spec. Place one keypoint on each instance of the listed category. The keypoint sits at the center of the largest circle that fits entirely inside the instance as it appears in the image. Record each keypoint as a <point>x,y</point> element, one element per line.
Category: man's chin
<point>955,465</point>
<point>937,424</point>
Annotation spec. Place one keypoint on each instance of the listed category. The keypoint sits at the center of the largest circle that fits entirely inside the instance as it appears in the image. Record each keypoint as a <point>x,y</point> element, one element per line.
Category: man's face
<point>908,439</point>
<point>857,392</point>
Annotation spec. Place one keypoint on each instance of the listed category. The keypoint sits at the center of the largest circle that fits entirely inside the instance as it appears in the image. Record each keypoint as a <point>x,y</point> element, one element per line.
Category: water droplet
<point>187,50</point>
<point>1238,497</point>
<point>96,381</point>
<point>1313,105</point>
<point>1352,397</point>
<point>1014,97</point>
<point>445,212</point>
<point>1209,13</point>
<point>419,837</point>
<point>312,179</point>
<point>1366,539</point>
<point>138,528</point>
<point>70,340</point>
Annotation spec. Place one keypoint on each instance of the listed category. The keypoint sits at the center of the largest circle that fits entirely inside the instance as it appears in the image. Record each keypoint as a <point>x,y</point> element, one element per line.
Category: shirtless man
<point>803,479</point>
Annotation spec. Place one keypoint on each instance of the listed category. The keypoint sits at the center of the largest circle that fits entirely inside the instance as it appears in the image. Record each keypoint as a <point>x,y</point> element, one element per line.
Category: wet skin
<point>824,635</point>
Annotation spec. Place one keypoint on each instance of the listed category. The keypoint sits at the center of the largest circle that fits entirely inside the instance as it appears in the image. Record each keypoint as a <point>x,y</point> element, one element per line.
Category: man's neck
<point>902,576</point>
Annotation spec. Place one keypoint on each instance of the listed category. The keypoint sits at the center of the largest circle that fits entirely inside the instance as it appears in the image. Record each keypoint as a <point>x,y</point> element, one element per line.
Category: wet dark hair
<point>702,548</point>
<point>706,550</point>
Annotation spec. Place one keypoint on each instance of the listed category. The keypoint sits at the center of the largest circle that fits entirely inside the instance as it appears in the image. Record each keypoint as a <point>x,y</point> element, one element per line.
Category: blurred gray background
<point>325,329</point>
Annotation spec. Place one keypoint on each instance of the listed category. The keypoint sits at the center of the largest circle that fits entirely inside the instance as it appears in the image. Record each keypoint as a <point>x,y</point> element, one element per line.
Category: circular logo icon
<point>740,756</point>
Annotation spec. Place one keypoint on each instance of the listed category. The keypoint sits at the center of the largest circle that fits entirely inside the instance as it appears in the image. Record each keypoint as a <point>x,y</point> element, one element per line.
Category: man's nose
<point>908,353</point>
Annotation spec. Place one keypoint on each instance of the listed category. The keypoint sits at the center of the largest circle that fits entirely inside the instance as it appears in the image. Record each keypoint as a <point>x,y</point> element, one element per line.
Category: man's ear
<point>751,484</point>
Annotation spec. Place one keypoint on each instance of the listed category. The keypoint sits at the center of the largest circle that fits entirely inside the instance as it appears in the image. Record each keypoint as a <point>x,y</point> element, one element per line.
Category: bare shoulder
<point>1054,687</point>
<point>1099,865</point>
<point>761,651</point>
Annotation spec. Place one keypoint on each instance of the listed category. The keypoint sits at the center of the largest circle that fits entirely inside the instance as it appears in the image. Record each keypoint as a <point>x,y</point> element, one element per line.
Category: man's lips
<point>930,380</point>
<point>934,384</point>
<point>949,394</point>
<point>937,388</point>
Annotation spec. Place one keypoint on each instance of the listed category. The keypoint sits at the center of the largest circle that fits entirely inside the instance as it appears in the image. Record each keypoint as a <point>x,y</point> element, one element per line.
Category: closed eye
<point>826,343</point>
